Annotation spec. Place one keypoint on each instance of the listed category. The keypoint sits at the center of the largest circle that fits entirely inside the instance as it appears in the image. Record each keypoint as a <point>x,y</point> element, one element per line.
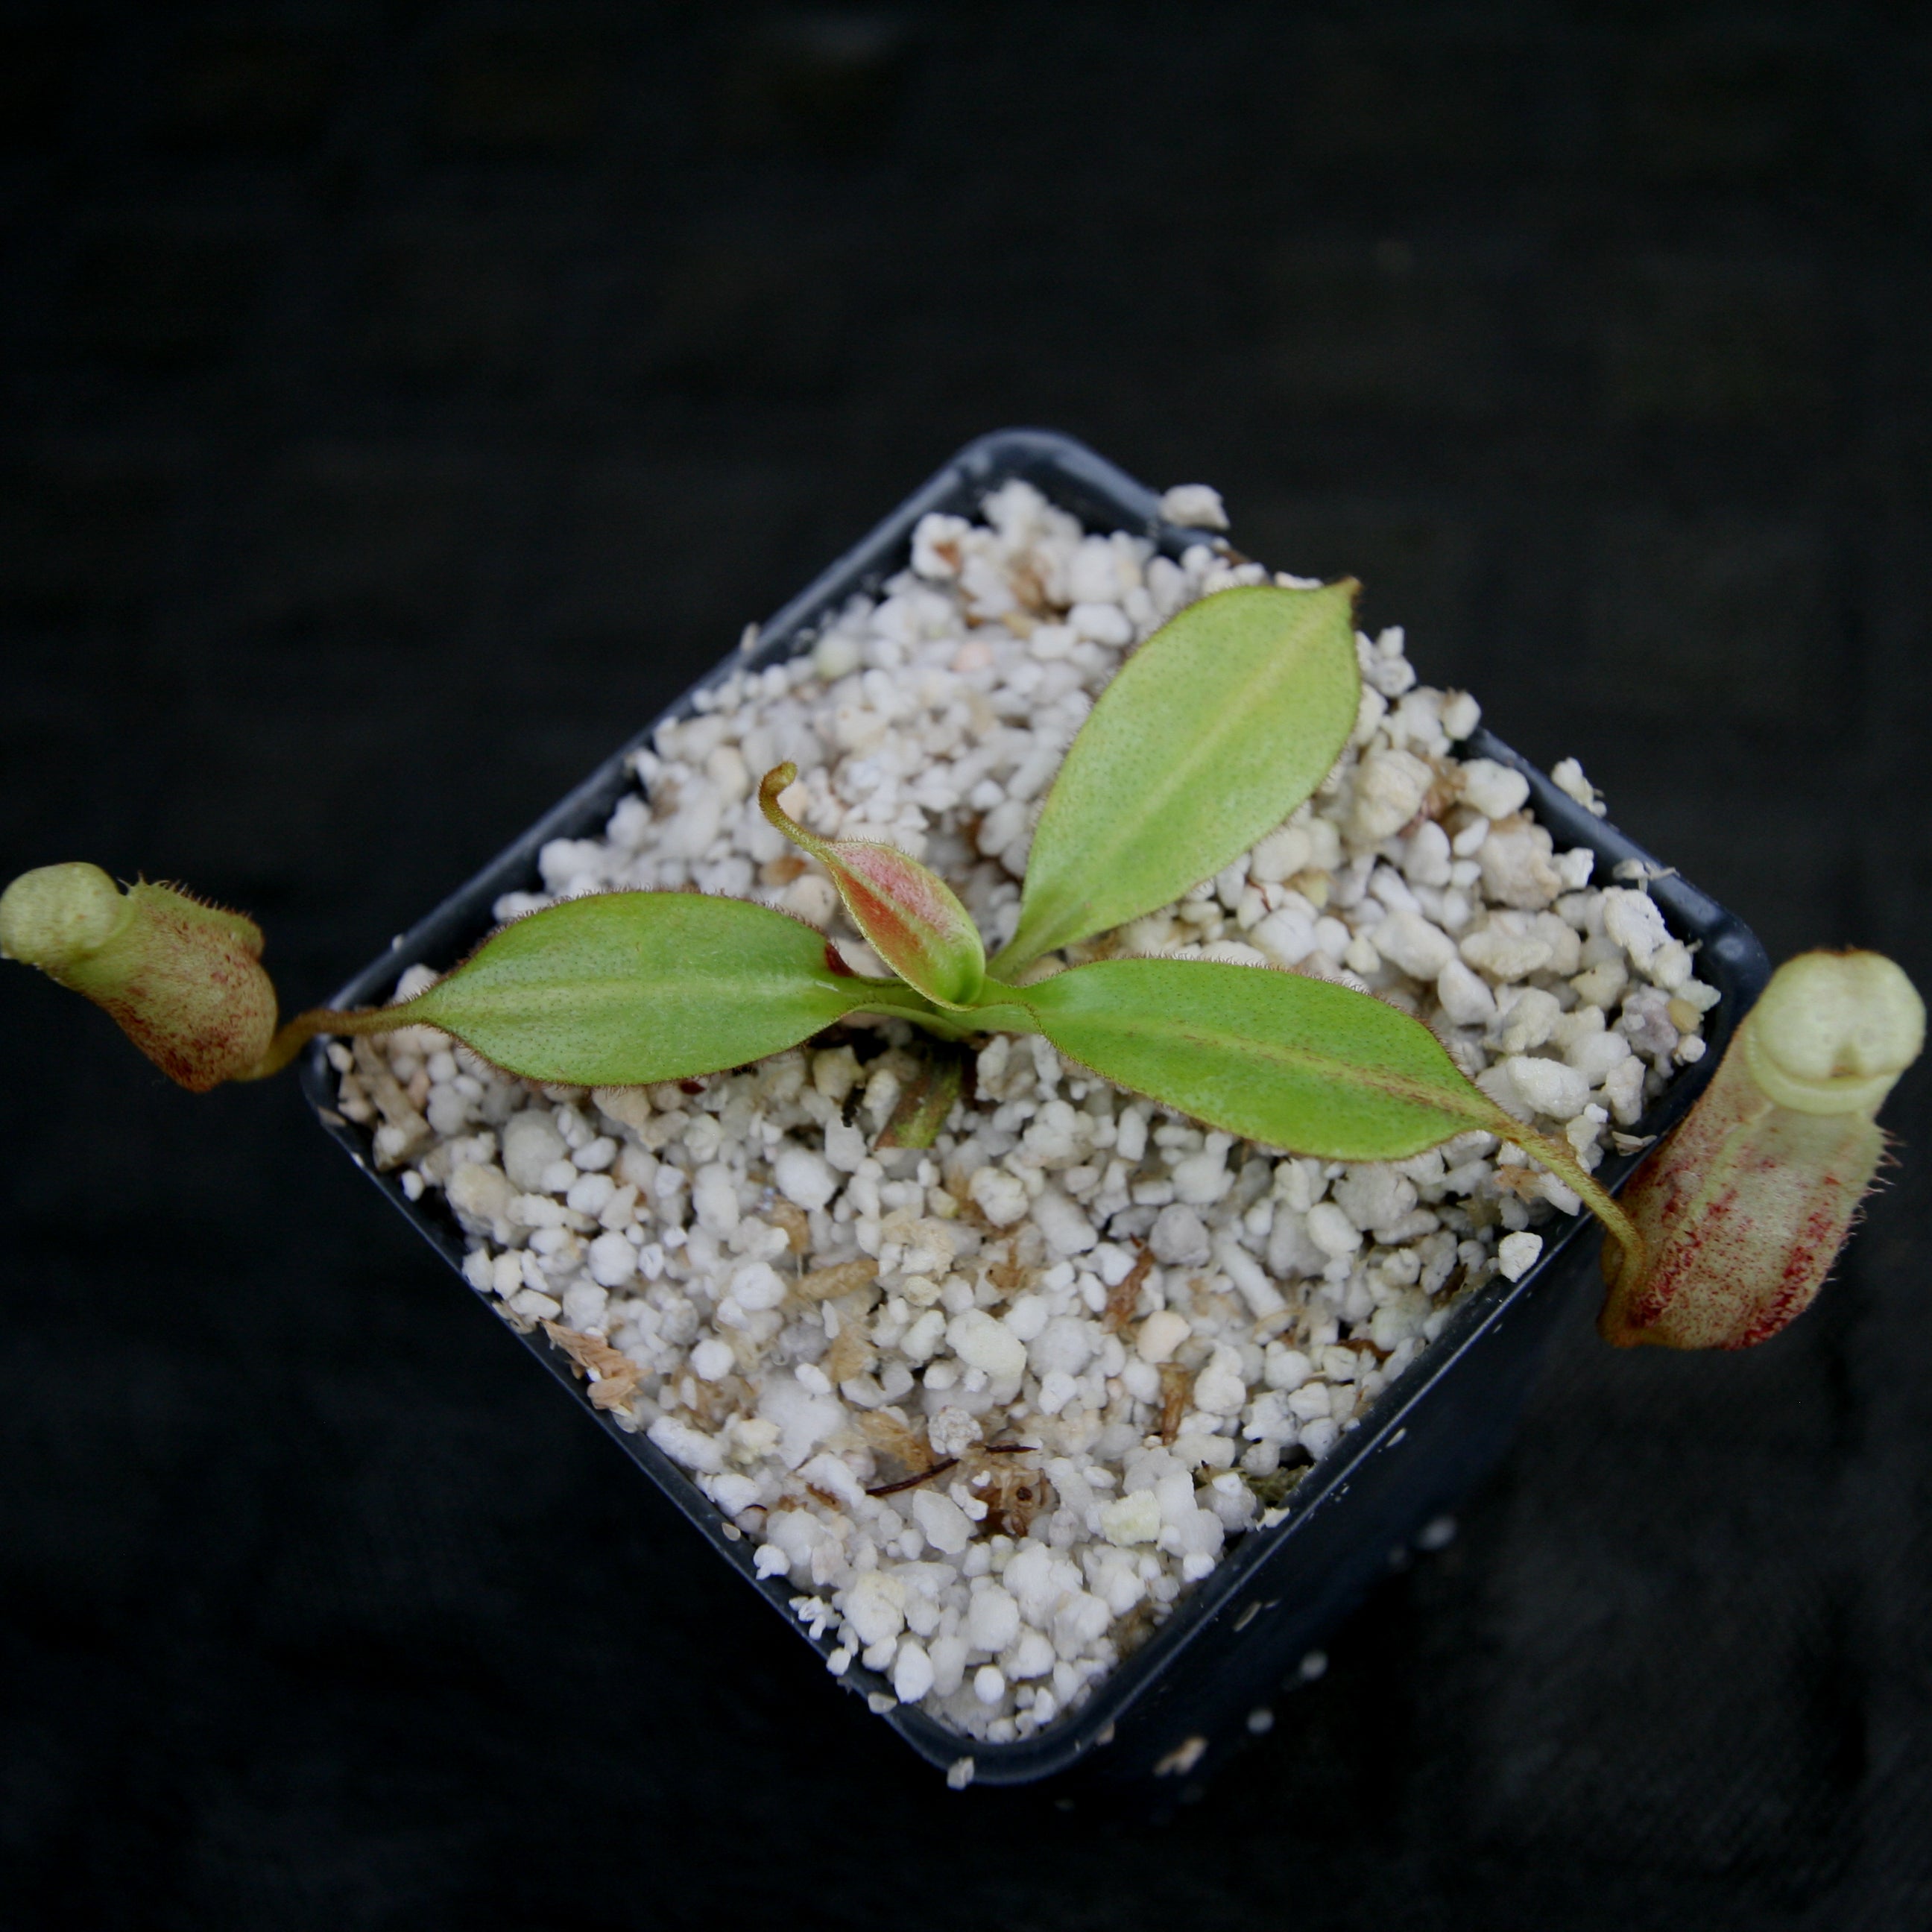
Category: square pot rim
<point>1730,957</point>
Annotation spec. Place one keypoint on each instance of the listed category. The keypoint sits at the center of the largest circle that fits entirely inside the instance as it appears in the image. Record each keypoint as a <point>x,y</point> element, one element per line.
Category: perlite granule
<point>992,1406</point>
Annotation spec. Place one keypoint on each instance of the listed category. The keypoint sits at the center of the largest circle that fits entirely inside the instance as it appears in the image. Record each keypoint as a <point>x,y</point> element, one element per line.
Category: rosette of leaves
<point>1222,723</point>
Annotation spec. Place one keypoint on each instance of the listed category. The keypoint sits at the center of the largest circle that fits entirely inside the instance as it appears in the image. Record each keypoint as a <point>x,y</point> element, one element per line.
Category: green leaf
<point>622,989</point>
<point>1297,1062</point>
<point>1222,722</point>
<point>909,915</point>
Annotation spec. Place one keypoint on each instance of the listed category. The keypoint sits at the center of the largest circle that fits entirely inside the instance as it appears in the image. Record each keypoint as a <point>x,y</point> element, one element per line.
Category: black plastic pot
<point>1176,1706</point>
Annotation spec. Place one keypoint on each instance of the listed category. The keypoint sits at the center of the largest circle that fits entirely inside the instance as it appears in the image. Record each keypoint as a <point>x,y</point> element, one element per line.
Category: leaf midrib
<point>1332,1070</point>
<point>615,991</point>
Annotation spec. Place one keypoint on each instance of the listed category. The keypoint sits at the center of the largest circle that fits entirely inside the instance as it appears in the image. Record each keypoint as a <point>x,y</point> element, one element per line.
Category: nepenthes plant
<point>1218,728</point>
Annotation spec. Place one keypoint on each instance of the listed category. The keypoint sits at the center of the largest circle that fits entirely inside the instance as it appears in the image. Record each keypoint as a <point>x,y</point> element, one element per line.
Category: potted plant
<point>976,1308</point>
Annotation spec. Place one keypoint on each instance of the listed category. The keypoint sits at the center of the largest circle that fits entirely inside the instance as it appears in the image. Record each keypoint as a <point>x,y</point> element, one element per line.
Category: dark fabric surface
<point>401,403</point>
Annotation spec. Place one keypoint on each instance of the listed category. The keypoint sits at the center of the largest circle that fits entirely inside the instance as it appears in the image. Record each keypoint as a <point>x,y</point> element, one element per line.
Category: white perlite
<point>991,1407</point>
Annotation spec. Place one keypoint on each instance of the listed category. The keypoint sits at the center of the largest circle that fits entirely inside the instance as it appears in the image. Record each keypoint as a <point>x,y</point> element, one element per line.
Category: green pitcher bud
<point>183,980</point>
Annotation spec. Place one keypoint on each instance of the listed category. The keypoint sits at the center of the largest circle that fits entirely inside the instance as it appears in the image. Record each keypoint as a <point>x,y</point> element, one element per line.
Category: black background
<point>401,403</point>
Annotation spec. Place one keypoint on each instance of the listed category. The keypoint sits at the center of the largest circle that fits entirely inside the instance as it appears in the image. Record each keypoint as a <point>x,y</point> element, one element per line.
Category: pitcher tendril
<point>1219,727</point>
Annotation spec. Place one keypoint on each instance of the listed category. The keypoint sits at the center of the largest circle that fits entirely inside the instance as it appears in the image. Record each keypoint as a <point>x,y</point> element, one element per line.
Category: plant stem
<point>999,1011</point>
<point>1007,961</point>
<point>928,1099</point>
